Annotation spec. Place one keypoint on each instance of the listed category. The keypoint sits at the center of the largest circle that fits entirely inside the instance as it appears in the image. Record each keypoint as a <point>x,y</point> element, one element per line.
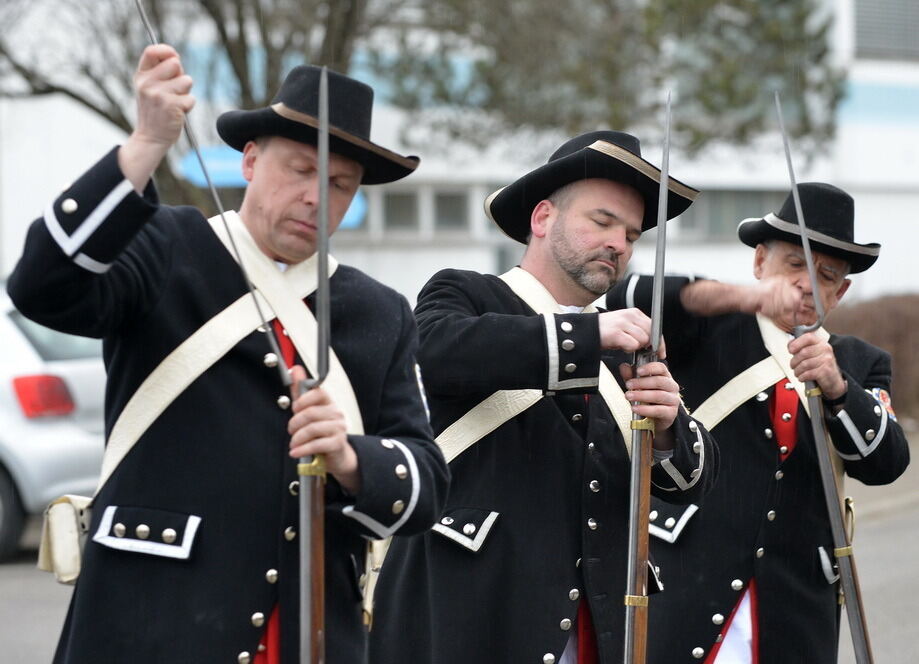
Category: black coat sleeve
<point>404,477</point>
<point>865,431</point>
<point>77,274</point>
<point>466,348</point>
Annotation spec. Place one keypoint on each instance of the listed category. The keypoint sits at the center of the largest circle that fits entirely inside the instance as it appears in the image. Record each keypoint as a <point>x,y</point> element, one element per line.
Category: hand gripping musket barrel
<point>636,593</point>
<point>842,545</point>
<point>311,469</point>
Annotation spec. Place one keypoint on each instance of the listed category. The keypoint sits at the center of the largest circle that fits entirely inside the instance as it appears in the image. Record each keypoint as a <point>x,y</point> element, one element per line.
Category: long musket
<point>842,546</point>
<point>311,469</point>
<point>636,593</point>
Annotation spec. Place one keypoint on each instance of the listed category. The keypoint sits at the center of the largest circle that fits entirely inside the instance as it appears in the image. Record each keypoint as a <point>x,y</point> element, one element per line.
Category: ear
<point>541,217</point>
<point>759,258</point>
<point>843,287</point>
<point>250,153</point>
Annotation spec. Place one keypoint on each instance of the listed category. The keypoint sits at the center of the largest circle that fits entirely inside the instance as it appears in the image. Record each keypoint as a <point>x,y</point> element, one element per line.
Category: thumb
<point>625,370</point>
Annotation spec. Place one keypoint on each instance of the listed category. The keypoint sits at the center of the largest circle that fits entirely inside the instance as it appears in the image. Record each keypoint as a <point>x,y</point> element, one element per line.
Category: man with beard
<point>528,563</point>
<point>751,575</point>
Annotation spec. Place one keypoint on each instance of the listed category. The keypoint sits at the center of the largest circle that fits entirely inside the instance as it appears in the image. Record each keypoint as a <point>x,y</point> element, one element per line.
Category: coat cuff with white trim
<point>860,425</point>
<point>573,352</point>
<point>390,485</point>
<point>98,215</point>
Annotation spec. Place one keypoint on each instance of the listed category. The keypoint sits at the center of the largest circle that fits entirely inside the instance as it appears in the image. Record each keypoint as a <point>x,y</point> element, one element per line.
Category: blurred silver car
<point>52,392</point>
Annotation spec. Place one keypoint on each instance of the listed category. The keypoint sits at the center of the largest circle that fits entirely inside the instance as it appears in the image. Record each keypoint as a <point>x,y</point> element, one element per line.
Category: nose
<point>310,194</point>
<point>616,239</point>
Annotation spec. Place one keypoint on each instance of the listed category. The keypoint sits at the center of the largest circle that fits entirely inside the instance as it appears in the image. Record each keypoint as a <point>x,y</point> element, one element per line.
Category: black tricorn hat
<point>610,155</point>
<point>294,114</point>
<point>829,214</point>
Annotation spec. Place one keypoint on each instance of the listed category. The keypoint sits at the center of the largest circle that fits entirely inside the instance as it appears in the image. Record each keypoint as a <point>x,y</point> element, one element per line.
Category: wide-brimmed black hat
<point>610,155</point>
<point>829,214</point>
<point>294,114</point>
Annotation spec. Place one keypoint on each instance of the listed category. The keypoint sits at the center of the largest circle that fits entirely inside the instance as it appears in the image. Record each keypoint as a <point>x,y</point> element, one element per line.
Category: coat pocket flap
<point>466,526</point>
<point>147,530</point>
<point>668,522</point>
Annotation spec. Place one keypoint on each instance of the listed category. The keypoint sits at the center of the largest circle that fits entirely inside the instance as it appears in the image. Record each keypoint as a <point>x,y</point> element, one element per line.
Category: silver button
<point>594,486</point>
<point>768,433</point>
<point>571,367</point>
<point>565,624</point>
<point>387,443</point>
<point>258,619</point>
<point>577,417</point>
<point>653,515</point>
<point>786,417</point>
<point>262,647</point>
<point>697,447</point>
<point>169,535</point>
<point>549,658</point>
<point>401,471</point>
<point>693,426</point>
<point>270,360</point>
<point>244,657</point>
<point>262,329</point>
<point>590,446</point>
<point>447,520</point>
<point>294,487</point>
<point>119,529</point>
<point>789,386</point>
<point>284,332</point>
<point>574,594</point>
<point>566,326</point>
<point>718,619</point>
<point>143,531</point>
<point>760,552</point>
<point>290,533</point>
<point>770,515</point>
<point>762,396</point>
<point>870,434</point>
<point>283,402</point>
<point>592,523</point>
<point>271,576</point>
<point>719,638</point>
<point>670,522</point>
<point>779,474</point>
<point>398,506</point>
<point>737,584</point>
<point>69,206</point>
<point>469,528</point>
<point>697,652</point>
<point>567,344</point>
<point>784,449</point>
<point>877,410</point>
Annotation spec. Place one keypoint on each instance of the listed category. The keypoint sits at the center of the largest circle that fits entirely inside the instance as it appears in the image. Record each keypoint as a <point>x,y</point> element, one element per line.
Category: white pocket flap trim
<point>180,551</point>
<point>471,543</point>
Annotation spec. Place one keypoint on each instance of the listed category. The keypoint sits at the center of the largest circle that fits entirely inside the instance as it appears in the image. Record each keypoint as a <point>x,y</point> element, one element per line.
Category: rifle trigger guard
<point>644,424</point>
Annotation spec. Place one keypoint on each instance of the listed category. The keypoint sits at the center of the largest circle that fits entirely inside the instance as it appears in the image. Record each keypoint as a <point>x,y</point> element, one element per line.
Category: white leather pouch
<point>63,535</point>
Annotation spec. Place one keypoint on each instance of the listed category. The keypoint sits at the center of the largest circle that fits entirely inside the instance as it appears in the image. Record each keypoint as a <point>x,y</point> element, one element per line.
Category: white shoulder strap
<point>208,344</point>
<point>504,405</point>
<point>279,289</point>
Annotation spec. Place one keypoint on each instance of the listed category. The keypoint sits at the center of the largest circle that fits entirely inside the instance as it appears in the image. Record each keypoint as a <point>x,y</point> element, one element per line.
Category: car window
<point>52,345</point>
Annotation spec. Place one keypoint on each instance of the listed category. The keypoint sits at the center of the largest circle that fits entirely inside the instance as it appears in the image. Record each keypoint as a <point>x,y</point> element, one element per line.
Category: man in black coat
<point>192,554</point>
<point>751,575</point>
<point>528,563</point>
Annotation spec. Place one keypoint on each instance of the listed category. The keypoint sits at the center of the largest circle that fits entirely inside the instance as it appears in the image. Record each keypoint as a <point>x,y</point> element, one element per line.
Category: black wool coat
<point>537,513</point>
<point>105,262</point>
<point>765,519</point>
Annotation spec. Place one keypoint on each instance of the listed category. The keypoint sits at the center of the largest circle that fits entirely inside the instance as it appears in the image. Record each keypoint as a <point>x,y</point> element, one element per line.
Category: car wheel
<point>12,517</point>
